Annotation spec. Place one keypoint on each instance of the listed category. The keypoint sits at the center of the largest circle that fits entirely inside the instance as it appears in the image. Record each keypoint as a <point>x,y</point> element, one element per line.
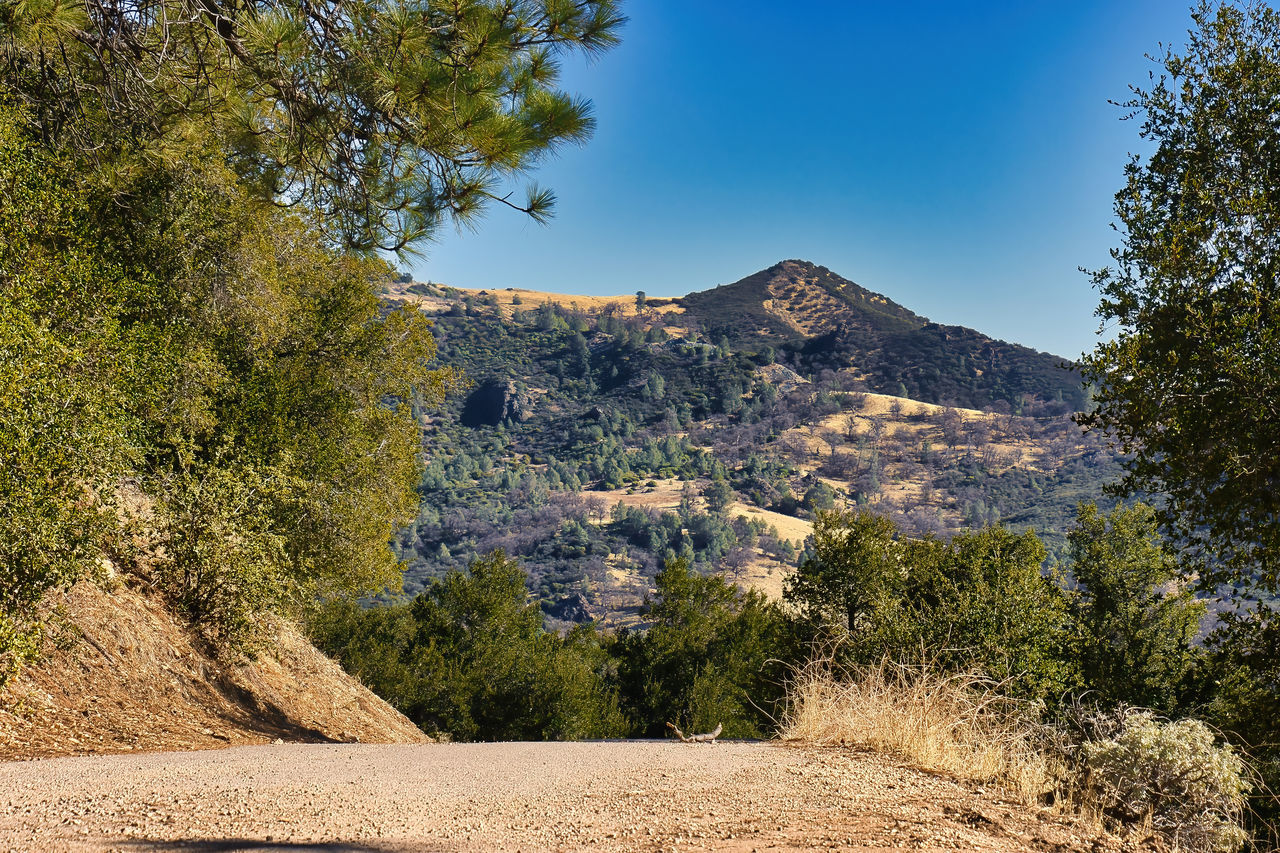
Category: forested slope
<point>598,442</point>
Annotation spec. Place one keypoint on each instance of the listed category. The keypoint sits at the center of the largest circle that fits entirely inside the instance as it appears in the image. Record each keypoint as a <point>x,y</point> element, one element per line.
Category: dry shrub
<point>1138,772</point>
<point>1132,771</point>
<point>954,723</point>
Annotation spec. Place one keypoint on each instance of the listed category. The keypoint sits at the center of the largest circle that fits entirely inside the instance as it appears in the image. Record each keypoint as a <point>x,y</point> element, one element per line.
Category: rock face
<point>569,608</point>
<point>495,401</point>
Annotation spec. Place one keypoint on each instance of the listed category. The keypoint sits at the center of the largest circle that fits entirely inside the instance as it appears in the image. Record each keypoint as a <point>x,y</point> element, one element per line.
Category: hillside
<point>795,299</point>
<point>602,436</point>
<point>119,674</point>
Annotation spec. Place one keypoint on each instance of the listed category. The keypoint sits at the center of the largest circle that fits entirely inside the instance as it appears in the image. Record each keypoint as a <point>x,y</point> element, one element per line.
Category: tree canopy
<point>977,602</point>
<point>386,118</point>
<point>1190,383</point>
<point>198,370</point>
<point>1133,615</point>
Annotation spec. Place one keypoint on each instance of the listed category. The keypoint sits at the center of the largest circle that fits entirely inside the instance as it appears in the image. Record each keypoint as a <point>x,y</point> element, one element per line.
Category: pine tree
<point>387,119</point>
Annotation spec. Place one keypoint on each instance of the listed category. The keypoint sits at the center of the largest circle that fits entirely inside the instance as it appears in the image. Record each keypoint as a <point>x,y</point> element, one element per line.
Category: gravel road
<point>629,795</point>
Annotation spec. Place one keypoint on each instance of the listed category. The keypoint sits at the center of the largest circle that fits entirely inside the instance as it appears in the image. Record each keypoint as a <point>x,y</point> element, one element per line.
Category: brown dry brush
<point>1123,769</point>
<point>956,723</point>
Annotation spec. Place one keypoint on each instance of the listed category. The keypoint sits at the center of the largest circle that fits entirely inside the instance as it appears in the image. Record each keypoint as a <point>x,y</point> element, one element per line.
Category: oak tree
<point>1189,386</point>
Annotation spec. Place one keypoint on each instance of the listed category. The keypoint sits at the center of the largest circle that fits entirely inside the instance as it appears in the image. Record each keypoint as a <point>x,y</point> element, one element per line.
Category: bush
<point>64,383</point>
<point>1134,620</point>
<point>977,603</point>
<point>1172,775</point>
<point>708,658</point>
<point>469,657</point>
<point>215,352</point>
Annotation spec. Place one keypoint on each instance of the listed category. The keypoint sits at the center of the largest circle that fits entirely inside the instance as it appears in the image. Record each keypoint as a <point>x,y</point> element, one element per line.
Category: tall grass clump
<point>956,723</point>
<point>1126,768</point>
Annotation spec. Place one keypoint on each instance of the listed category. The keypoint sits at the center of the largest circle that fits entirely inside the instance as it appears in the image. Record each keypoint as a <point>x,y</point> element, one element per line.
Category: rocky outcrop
<point>569,608</point>
<point>495,401</point>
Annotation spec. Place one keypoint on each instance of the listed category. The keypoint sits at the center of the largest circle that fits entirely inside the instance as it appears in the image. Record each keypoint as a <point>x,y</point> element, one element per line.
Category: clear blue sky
<point>958,157</point>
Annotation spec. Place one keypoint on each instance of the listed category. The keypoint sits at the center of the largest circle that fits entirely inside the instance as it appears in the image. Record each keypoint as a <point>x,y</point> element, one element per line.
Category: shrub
<point>1133,617</point>
<point>469,657</point>
<point>1173,775</point>
<point>977,603</point>
<point>707,659</point>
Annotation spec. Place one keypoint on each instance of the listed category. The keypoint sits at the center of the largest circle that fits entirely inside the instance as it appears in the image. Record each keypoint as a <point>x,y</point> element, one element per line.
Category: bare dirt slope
<point>121,675</point>
<point>629,796</point>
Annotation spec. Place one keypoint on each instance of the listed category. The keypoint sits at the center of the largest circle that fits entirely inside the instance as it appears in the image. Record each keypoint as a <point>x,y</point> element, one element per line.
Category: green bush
<point>1173,775</point>
<point>211,351</point>
<point>469,657</point>
<point>709,658</point>
<point>65,376</point>
<point>979,602</point>
<point>1133,615</point>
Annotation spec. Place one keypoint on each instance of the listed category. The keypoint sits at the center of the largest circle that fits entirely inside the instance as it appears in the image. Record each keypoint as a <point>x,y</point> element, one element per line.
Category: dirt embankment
<point>121,675</point>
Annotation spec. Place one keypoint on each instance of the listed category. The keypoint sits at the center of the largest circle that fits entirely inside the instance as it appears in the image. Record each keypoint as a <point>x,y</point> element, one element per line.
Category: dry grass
<point>121,674</point>
<point>955,724</point>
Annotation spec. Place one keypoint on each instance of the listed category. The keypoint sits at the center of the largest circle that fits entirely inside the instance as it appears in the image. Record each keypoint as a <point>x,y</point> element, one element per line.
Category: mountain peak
<point>797,299</point>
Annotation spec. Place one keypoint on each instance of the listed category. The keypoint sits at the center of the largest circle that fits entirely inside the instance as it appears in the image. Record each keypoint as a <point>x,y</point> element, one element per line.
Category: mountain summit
<point>820,320</point>
<point>798,298</point>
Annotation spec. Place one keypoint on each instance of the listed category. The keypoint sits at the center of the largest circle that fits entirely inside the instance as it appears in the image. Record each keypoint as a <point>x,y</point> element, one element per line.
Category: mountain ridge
<point>794,293</point>
<point>604,436</point>
<point>801,311</point>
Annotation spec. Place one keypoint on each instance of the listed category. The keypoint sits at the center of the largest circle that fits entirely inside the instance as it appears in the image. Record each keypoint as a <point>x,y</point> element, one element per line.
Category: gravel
<point>612,795</point>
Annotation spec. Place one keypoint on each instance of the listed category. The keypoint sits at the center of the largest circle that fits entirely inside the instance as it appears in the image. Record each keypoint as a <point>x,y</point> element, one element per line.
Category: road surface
<point>630,795</point>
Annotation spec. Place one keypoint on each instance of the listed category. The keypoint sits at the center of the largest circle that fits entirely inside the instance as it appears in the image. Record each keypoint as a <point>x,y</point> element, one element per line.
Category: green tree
<point>718,493</point>
<point>708,659</point>
<point>469,657</point>
<point>63,407</point>
<point>855,574</point>
<point>386,119</point>
<point>1134,616</point>
<point>1188,384</point>
<point>819,496</point>
<point>209,349</point>
<point>979,601</point>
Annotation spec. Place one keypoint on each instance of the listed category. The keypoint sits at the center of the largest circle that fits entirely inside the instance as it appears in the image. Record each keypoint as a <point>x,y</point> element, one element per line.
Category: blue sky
<point>958,157</point>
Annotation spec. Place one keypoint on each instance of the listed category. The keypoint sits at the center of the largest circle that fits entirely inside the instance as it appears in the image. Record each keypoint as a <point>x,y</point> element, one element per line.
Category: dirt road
<point>512,796</point>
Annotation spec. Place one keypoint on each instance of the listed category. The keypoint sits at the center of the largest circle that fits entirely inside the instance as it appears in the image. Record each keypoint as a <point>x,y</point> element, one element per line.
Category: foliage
<point>1238,682</point>
<point>1133,616</point>
<point>385,119</point>
<point>469,657</point>
<point>707,659</point>
<point>979,601</point>
<point>62,424</point>
<point>248,384</point>
<point>1188,384</point>
<point>1174,775</point>
<point>855,577</point>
